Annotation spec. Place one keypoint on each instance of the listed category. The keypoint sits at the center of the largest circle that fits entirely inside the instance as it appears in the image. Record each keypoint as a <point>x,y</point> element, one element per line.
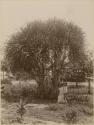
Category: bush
<point>53,107</point>
<point>6,89</point>
<point>70,117</point>
<point>56,107</point>
<point>87,110</point>
<point>69,114</point>
<point>12,92</point>
<point>5,81</point>
<point>21,110</point>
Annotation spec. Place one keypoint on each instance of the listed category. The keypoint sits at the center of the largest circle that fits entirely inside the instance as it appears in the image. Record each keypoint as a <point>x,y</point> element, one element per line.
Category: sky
<point>15,14</point>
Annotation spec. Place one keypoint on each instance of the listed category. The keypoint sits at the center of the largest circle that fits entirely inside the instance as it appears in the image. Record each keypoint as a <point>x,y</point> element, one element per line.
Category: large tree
<point>47,47</point>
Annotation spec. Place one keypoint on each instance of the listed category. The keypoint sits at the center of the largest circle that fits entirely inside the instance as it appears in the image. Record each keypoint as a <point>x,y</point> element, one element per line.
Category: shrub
<point>53,107</point>
<point>6,89</point>
<point>56,107</point>
<point>5,81</point>
<point>87,110</point>
<point>21,110</point>
<point>27,89</point>
<point>70,117</point>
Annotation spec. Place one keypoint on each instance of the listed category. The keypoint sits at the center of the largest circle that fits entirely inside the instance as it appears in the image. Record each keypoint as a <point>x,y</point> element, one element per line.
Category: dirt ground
<point>46,114</point>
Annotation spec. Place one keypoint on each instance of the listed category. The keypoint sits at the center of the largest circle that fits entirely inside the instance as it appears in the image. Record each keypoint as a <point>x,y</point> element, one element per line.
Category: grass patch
<point>54,112</point>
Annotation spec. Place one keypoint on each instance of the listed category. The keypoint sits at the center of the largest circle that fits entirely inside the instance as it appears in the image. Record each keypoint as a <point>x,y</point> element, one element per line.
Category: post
<point>3,75</point>
<point>89,86</point>
<point>77,84</point>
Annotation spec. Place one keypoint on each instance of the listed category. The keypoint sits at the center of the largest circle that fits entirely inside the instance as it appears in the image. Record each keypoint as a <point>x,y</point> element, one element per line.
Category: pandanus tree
<point>47,47</point>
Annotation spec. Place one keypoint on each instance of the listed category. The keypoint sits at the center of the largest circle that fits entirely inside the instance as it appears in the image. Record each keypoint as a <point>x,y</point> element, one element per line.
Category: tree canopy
<point>46,48</point>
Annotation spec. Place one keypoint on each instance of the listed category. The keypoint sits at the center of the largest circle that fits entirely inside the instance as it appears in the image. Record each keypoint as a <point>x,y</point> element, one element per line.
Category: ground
<point>47,113</point>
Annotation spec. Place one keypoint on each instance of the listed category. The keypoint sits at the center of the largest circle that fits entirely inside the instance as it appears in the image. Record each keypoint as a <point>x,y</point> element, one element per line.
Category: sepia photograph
<point>46,62</point>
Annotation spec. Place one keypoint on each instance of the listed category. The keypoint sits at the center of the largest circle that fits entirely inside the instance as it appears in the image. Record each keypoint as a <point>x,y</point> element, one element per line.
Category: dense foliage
<point>44,50</point>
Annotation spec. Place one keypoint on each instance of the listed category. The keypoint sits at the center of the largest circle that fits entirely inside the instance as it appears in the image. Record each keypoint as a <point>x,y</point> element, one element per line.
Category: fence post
<point>89,86</point>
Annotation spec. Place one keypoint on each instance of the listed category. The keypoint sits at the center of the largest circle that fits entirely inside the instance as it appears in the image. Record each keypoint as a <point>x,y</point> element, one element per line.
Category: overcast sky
<point>17,13</point>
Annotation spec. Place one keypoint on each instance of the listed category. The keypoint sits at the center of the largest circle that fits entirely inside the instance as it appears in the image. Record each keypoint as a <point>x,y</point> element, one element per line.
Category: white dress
<point>62,91</point>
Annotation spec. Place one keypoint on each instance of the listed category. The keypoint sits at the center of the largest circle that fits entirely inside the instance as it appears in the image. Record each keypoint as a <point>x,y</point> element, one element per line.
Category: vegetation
<point>49,113</point>
<point>21,110</point>
<point>44,50</point>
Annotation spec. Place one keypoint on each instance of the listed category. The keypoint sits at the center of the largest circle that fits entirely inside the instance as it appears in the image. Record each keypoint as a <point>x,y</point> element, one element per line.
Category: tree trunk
<point>41,87</point>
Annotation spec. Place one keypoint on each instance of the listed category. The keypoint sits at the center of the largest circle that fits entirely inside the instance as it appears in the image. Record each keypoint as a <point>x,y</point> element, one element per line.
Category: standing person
<point>62,93</point>
<point>65,89</point>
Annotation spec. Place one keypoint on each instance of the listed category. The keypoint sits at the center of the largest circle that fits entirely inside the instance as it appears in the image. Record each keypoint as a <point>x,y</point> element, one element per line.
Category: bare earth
<point>45,114</point>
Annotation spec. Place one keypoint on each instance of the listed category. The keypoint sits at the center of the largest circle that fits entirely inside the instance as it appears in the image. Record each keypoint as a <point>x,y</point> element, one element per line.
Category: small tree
<point>21,110</point>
